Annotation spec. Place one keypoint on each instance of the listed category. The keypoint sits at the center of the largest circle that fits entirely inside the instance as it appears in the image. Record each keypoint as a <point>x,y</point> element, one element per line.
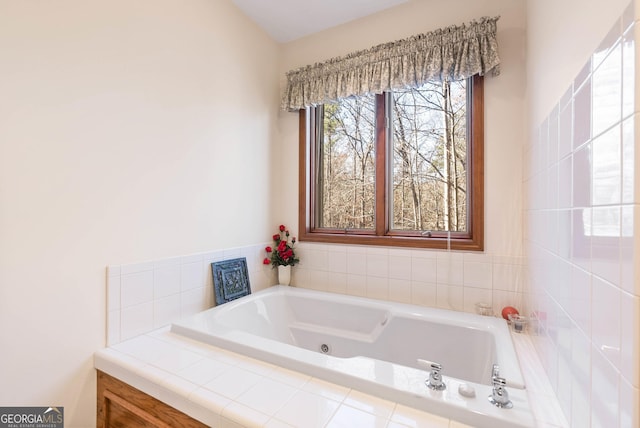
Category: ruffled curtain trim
<point>454,53</point>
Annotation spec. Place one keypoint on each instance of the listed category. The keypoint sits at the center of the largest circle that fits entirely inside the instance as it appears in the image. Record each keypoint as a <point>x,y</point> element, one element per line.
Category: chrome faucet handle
<point>499,396</point>
<point>495,371</point>
<point>435,381</point>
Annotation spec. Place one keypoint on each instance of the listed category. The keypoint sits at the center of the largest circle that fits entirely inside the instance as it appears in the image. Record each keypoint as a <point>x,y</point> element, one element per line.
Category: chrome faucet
<point>435,378</point>
<point>435,381</point>
<point>500,397</point>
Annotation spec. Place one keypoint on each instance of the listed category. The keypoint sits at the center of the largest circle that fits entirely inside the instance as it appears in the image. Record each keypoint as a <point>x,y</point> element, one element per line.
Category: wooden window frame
<point>471,240</point>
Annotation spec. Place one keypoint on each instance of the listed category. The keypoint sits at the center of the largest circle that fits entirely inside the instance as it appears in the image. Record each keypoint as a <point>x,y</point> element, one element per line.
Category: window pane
<point>429,174</point>
<point>345,173</point>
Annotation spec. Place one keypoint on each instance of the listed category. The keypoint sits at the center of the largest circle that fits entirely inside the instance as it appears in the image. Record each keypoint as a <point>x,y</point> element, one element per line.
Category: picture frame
<point>230,280</point>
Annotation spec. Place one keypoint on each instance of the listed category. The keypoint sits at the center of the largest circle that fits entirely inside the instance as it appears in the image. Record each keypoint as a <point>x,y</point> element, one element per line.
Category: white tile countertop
<point>228,390</point>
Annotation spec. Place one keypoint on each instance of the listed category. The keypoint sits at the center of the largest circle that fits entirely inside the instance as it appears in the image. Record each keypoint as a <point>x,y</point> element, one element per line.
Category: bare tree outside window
<point>404,168</point>
<point>429,157</point>
<point>428,161</point>
<point>346,165</point>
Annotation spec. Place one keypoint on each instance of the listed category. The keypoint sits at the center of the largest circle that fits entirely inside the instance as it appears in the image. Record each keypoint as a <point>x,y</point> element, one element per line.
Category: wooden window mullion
<point>381,213</point>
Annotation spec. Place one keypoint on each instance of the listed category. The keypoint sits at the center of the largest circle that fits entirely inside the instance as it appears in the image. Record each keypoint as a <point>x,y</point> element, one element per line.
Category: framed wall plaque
<point>230,280</point>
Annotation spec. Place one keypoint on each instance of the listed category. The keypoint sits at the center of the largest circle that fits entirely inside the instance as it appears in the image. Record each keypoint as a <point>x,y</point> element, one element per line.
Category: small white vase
<point>284,275</point>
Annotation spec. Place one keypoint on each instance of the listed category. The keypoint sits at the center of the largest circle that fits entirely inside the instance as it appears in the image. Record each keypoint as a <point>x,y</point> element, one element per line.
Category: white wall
<point>582,206</point>
<point>430,278</point>
<point>561,36</point>
<point>129,131</point>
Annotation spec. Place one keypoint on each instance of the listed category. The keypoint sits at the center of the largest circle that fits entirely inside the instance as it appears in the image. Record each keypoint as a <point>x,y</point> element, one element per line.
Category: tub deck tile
<point>224,389</point>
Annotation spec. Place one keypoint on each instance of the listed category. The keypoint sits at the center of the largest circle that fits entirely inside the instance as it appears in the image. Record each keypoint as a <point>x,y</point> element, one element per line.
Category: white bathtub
<point>373,346</point>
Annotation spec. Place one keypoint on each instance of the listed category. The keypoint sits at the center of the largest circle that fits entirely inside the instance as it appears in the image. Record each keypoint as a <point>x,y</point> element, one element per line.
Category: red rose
<point>282,245</point>
<point>293,240</point>
<point>288,254</point>
<point>276,237</point>
<point>266,261</point>
<point>268,249</point>
<point>282,228</point>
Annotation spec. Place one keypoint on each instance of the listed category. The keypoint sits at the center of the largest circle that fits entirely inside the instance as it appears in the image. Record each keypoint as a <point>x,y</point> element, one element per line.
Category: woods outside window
<point>402,168</point>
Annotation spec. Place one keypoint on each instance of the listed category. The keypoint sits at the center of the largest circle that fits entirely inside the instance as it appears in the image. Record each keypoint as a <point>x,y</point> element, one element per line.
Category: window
<point>403,168</point>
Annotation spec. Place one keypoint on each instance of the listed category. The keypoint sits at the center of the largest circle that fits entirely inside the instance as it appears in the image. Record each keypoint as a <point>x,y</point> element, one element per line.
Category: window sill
<point>436,243</point>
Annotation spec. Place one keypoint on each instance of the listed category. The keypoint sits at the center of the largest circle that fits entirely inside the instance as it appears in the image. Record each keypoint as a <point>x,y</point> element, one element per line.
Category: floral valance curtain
<point>455,52</point>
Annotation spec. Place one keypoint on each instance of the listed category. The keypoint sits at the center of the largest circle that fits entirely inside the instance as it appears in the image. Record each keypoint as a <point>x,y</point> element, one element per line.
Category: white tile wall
<point>582,249</point>
<point>148,295</point>
<point>449,280</point>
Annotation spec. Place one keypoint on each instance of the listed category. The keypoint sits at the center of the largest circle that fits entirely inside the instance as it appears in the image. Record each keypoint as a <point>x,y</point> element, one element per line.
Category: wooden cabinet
<point>121,405</point>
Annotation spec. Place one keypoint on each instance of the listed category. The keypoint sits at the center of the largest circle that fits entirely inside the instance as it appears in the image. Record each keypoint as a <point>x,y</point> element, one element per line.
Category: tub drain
<point>324,348</point>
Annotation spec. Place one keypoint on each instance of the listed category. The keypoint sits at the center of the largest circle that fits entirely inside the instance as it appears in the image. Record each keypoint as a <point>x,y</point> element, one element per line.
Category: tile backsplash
<point>582,210</point>
<point>443,279</point>
<point>148,295</point>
